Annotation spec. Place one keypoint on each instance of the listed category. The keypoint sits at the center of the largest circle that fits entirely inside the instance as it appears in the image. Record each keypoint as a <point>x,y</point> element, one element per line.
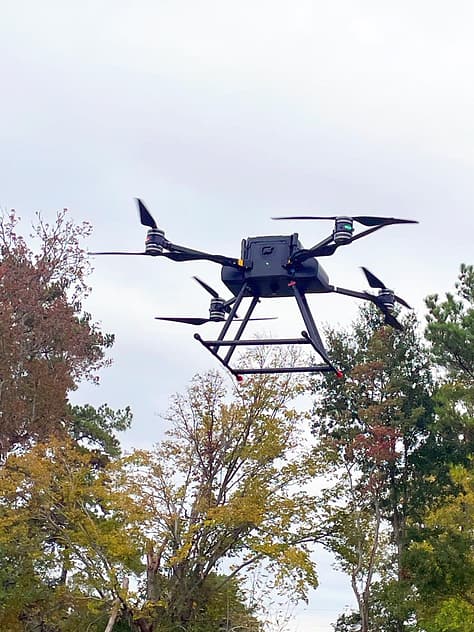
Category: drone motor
<point>217,309</point>
<point>343,229</point>
<point>154,242</point>
<point>386,299</point>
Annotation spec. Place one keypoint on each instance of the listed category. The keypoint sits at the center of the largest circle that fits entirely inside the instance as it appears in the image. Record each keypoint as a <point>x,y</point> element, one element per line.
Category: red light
<point>239,378</point>
<point>339,374</point>
<point>291,283</point>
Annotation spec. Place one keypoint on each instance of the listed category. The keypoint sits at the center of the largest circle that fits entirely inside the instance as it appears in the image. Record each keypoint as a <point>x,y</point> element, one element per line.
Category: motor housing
<point>154,242</point>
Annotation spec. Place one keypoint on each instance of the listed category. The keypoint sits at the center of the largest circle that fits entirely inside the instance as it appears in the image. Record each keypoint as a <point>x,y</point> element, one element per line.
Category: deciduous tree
<point>68,535</point>
<point>441,560</point>
<point>372,430</point>
<point>224,492</point>
<point>47,343</point>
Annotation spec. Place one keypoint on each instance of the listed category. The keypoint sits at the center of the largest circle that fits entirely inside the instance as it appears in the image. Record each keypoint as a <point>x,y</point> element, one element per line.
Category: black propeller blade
<point>375,282</point>
<point>117,253</point>
<point>325,251</point>
<point>385,299</point>
<point>207,287</point>
<point>392,321</point>
<point>145,215</point>
<point>200,321</point>
<point>147,220</point>
<point>365,220</point>
<point>214,294</point>
<point>372,280</point>
<point>188,321</point>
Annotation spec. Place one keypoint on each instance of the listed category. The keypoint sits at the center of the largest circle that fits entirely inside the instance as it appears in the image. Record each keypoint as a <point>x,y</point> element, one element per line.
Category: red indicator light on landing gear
<point>339,374</point>
<point>239,378</point>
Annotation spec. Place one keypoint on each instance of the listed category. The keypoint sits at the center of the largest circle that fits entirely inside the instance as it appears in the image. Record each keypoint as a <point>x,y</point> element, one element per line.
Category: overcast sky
<point>219,115</point>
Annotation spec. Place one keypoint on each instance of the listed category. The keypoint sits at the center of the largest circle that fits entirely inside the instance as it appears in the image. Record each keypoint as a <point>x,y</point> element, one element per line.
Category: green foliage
<point>451,615</point>
<point>96,427</point>
<point>404,443</point>
<point>450,328</point>
<point>67,536</point>
<point>439,560</point>
<point>373,430</point>
<point>441,556</point>
<point>393,605</point>
<point>348,622</point>
<point>225,487</point>
<point>227,490</point>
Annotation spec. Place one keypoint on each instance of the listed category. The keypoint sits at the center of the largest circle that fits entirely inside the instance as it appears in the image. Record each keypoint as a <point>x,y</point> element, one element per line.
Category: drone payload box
<point>266,268</point>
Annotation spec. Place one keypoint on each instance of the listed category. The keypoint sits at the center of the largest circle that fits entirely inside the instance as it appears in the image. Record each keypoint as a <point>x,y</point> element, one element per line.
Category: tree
<point>95,428</point>
<point>224,492</point>
<point>53,486</point>
<point>441,557</point>
<point>450,328</point>
<point>73,529</point>
<point>373,431</point>
<point>68,536</point>
<point>441,560</point>
<point>47,343</point>
<point>401,439</point>
<point>76,520</point>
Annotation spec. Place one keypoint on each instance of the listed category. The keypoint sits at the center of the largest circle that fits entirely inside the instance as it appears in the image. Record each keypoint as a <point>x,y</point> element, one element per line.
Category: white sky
<point>219,115</point>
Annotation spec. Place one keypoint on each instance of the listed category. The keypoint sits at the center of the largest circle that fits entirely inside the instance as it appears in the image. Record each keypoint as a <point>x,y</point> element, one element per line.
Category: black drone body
<point>266,270</point>
<point>273,267</point>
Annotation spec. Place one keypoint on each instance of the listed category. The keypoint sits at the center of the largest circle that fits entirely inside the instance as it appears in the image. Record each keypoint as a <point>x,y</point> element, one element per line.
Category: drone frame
<point>223,347</point>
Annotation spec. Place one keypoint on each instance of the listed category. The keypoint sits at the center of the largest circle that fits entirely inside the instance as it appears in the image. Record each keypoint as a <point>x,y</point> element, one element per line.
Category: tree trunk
<point>116,608</point>
<point>153,560</point>
<point>364,614</point>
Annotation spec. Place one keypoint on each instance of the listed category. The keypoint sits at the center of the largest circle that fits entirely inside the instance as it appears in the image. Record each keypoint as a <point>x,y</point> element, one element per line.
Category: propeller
<point>155,239</point>
<point>207,287</point>
<point>385,300</point>
<point>365,220</point>
<point>188,321</point>
<point>218,308</point>
<point>201,321</point>
<point>145,216</point>
<point>375,282</point>
<point>390,319</point>
<point>225,304</point>
<point>117,253</point>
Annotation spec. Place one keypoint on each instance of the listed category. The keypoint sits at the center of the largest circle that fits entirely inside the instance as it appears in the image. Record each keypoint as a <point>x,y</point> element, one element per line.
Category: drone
<point>274,266</point>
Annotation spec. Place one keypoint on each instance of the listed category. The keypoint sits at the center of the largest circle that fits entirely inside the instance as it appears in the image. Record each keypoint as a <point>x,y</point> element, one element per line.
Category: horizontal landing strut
<point>214,345</point>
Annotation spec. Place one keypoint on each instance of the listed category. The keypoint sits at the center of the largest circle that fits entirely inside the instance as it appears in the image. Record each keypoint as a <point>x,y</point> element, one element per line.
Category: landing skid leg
<point>312,333</point>
<point>311,337</point>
